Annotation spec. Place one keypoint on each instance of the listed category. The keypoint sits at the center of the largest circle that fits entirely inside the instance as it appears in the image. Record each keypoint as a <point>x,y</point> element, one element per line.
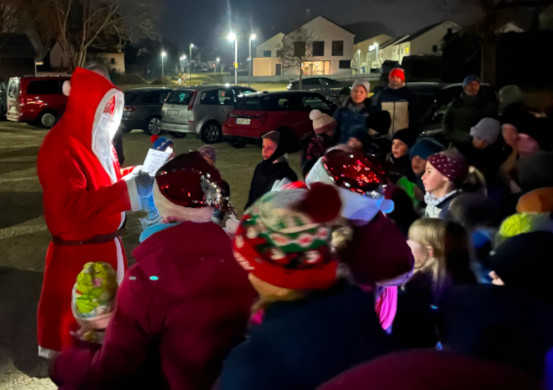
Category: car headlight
<point>289,86</point>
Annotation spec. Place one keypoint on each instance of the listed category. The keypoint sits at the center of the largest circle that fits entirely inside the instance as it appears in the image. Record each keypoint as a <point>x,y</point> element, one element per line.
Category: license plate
<point>173,112</point>
<point>243,121</point>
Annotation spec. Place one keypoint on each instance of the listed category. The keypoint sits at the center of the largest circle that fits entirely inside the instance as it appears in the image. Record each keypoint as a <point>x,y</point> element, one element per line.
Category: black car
<point>3,99</point>
<point>329,88</point>
<point>143,109</point>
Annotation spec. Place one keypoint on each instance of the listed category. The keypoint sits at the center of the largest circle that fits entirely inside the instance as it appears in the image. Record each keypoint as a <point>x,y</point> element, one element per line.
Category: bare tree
<point>296,49</point>
<point>10,15</point>
<point>77,24</point>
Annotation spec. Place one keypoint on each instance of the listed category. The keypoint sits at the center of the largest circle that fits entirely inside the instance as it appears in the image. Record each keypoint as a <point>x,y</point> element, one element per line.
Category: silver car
<point>199,110</point>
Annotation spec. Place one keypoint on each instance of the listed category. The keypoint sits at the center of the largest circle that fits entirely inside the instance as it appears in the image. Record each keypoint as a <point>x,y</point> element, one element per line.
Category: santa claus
<point>85,197</point>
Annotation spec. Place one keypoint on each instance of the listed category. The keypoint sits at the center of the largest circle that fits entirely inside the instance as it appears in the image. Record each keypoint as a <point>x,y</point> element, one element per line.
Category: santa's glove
<point>144,184</point>
<point>139,185</point>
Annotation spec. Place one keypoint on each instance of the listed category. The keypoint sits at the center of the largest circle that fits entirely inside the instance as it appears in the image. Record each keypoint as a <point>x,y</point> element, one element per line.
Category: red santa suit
<point>84,199</point>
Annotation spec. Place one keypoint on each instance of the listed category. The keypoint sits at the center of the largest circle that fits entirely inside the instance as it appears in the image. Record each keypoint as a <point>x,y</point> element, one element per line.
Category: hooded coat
<point>84,200</point>
<point>267,172</point>
<point>180,309</point>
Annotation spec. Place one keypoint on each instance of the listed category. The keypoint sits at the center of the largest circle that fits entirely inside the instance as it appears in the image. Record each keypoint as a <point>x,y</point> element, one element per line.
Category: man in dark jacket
<point>467,109</point>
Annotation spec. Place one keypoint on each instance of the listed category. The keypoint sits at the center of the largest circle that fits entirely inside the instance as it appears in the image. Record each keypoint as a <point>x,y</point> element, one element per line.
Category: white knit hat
<point>364,83</point>
<point>487,129</point>
<point>322,123</point>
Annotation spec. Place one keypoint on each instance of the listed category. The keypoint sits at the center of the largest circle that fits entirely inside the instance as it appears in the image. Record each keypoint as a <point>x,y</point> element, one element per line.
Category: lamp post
<point>252,38</point>
<point>163,55</point>
<point>217,63</point>
<point>182,58</point>
<point>232,37</point>
<point>190,61</point>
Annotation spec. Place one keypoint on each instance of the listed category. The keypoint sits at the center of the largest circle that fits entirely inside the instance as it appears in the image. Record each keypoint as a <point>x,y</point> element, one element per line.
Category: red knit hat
<point>399,72</point>
<point>450,164</point>
<point>284,238</point>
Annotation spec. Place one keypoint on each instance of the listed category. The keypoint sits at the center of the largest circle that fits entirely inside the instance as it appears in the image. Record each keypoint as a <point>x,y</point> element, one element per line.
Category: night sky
<point>207,22</point>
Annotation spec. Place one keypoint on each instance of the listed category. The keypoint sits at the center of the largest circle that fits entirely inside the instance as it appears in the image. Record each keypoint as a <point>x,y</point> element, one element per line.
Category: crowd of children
<point>401,260</point>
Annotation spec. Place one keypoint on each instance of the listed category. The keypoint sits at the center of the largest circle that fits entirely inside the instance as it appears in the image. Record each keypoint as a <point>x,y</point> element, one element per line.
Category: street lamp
<point>163,55</point>
<point>189,61</point>
<point>252,38</point>
<point>217,63</point>
<point>182,58</point>
<point>232,37</point>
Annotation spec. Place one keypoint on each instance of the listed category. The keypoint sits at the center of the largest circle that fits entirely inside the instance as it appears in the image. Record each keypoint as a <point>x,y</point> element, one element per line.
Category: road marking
<point>17,179</point>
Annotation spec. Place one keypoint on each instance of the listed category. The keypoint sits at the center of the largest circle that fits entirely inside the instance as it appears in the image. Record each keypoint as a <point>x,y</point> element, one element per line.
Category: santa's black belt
<point>99,239</point>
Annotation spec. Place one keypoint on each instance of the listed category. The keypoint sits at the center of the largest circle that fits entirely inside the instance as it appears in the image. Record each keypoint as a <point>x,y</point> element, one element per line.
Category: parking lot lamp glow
<point>232,37</point>
<point>163,55</point>
<point>252,38</point>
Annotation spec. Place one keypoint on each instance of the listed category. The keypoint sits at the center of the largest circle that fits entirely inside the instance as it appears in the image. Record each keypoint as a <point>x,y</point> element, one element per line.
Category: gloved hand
<point>144,184</point>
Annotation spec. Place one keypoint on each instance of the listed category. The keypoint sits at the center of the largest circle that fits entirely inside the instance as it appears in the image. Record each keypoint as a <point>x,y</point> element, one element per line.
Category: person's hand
<point>144,184</point>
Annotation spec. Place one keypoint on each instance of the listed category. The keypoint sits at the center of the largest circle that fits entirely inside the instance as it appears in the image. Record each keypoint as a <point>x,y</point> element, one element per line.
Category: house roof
<point>329,20</point>
<point>366,30</point>
<point>267,40</point>
<point>394,41</point>
<point>16,46</point>
<point>424,30</point>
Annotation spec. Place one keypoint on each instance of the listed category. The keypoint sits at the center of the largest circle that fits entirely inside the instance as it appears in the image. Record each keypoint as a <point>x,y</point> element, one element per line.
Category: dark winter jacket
<point>302,344</point>
<point>464,112</point>
<point>265,175</point>
<point>401,105</point>
<point>349,116</point>
<point>180,310</point>
<point>487,160</point>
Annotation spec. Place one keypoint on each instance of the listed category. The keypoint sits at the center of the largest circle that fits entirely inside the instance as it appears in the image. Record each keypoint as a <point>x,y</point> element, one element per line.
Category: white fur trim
<point>168,209</point>
<point>355,206</point>
<point>47,353</point>
<point>133,192</point>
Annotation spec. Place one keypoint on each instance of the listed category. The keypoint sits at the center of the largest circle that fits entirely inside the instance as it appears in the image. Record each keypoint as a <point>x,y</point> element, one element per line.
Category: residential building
<point>426,41</point>
<point>17,55</point>
<point>330,46</point>
<point>365,54</point>
<point>113,59</point>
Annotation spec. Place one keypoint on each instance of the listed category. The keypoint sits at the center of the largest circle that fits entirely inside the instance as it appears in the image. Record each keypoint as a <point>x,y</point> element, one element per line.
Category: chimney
<point>307,14</point>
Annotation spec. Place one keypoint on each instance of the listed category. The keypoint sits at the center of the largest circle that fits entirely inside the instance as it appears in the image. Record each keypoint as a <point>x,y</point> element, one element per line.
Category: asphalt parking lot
<point>24,236</point>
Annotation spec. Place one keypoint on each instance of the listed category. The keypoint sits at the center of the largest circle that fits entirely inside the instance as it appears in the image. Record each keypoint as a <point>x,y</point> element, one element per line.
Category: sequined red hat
<point>355,171</point>
<point>189,181</point>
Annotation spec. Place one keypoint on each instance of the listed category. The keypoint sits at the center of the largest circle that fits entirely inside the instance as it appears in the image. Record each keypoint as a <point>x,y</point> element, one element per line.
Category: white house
<point>427,41</point>
<point>332,50</point>
<point>365,54</point>
<point>266,61</point>
<point>113,60</point>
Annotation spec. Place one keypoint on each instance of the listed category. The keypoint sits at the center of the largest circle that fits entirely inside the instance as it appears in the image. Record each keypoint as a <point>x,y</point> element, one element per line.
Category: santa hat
<point>160,143</point>
<point>284,237</point>
<point>397,72</point>
<point>187,187</point>
<point>360,179</point>
<point>451,164</point>
<point>93,296</point>
<point>322,123</point>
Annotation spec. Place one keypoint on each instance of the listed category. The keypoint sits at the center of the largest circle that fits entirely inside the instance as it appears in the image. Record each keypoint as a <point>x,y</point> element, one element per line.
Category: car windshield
<point>180,96</point>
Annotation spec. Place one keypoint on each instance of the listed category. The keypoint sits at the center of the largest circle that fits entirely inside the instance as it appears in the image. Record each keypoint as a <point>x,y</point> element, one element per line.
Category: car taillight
<point>129,108</point>
<point>191,104</point>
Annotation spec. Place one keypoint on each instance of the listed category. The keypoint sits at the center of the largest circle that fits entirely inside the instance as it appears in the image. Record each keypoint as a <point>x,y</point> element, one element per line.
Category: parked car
<point>36,99</point>
<point>143,109</point>
<point>257,114</point>
<point>199,110</point>
<point>329,88</point>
